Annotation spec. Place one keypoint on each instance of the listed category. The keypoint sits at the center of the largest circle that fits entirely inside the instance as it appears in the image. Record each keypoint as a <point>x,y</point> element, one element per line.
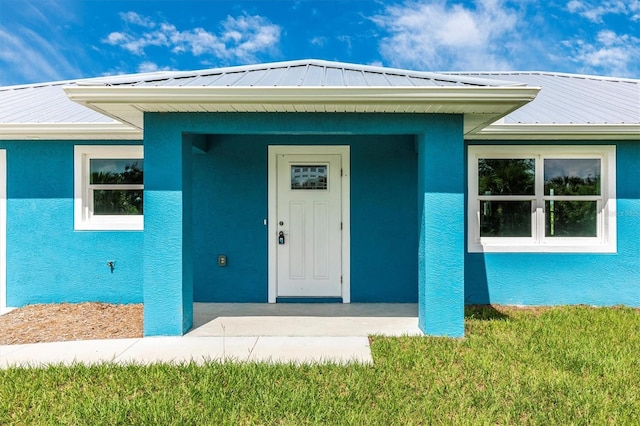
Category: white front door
<point>309,221</point>
<point>309,254</point>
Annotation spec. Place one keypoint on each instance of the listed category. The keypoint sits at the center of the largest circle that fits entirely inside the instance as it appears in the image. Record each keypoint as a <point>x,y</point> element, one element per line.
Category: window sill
<point>565,247</point>
<point>115,223</point>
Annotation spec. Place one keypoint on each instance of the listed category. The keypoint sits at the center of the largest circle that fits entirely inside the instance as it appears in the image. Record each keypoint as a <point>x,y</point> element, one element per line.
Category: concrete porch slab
<point>305,319</point>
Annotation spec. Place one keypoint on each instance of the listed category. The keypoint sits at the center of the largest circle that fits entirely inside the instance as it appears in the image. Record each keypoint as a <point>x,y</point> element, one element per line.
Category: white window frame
<point>604,242</point>
<point>84,219</point>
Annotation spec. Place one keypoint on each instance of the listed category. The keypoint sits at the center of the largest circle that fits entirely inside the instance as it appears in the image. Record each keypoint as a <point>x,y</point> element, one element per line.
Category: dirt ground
<point>70,321</point>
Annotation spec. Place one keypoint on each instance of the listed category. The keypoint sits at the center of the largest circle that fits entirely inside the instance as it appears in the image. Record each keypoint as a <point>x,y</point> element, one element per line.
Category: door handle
<point>281,238</point>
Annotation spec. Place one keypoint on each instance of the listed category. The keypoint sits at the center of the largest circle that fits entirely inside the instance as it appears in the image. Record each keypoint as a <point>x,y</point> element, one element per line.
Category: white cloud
<point>347,41</point>
<point>241,38</point>
<point>610,54</point>
<point>431,34</point>
<point>134,18</point>
<point>318,41</point>
<point>33,44</point>
<point>148,66</point>
<point>595,10</point>
<point>26,54</point>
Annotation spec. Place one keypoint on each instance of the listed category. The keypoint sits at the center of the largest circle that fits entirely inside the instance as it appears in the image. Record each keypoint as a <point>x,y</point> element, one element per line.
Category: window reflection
<point>513,176</point>
<point>571,218</point>
<point>116,186</point>
<point>572,176</point>
<point>505,219</point>
<point>116,171</point>
<point>310,177</point>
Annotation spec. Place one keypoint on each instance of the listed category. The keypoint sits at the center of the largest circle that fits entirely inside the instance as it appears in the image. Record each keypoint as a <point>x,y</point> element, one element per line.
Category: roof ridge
<point>119,79</point>
<point>309,62</point>
<point>471,77</point>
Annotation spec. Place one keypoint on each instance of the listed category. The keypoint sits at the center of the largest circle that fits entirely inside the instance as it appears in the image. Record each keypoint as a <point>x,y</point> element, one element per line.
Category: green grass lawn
<point>569,365</point>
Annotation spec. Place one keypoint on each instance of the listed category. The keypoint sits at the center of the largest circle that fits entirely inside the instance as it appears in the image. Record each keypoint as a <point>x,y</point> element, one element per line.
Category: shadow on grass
<point>484,312</point>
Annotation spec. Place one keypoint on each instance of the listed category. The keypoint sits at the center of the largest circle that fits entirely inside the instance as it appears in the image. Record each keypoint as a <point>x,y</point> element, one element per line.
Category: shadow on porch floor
<point>305,319</point>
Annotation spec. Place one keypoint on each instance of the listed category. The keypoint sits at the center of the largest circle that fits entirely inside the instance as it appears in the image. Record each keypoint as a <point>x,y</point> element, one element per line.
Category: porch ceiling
<point>479,105</point>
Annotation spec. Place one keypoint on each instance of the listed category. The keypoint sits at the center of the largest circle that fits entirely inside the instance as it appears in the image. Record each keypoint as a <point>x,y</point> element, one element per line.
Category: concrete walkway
<point>298,333</point>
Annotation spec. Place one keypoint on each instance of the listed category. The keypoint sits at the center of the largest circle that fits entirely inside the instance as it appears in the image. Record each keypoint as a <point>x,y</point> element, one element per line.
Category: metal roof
<point>565,99</point>
<point>302,73</point>
<point>48,103</point>
<point>572,98</point>
<point>44,103</point>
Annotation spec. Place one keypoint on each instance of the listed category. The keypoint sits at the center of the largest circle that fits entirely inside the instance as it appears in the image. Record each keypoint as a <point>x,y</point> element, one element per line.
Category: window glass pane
<point>117,202</point>
<point>515,176</point>
<point>505,218</point>
<point>572,176</point>
<point>571,218</point>
<point>309,177</point>
<point>116,171</point>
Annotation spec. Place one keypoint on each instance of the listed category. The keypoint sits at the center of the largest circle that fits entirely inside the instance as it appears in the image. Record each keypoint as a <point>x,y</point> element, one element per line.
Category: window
<point>108,187</point>
<point>309,177</point>
<point>541,199</point>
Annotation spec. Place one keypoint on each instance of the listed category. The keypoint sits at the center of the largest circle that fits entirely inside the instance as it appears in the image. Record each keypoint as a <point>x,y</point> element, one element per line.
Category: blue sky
<point>47,40</point>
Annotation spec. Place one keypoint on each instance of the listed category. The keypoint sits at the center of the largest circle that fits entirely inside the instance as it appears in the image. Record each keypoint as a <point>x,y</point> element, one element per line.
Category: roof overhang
<point>69,131</point>
<point>558,132</point>
<point>479,105</point>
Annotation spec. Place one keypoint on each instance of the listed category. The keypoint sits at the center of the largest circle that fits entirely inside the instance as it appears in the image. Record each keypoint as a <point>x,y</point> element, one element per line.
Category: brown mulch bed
<point>70,321</point>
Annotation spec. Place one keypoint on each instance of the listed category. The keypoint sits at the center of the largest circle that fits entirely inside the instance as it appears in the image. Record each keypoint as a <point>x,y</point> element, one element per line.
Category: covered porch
<point>177,260</point>
<point>304,319</point>
<point>419,123</point>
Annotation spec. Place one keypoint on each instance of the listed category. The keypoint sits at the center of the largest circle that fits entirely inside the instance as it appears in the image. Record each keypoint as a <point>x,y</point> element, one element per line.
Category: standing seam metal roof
<point>47,102</point>
<point>572,98</point>
<point>312,73</point>
<point>564,99</point>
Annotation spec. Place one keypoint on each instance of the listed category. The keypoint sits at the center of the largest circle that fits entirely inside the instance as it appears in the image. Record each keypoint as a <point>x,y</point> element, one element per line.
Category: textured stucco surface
<point>220,126</point>
<point>47,261</point>
<point>168,278</point>
<point>441,255</point>
<point>383,217</point>
<point>404,248</point>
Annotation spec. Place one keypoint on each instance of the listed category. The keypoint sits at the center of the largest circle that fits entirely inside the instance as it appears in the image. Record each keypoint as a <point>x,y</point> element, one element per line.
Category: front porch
<point>304,319</point>
<point>201,206</point>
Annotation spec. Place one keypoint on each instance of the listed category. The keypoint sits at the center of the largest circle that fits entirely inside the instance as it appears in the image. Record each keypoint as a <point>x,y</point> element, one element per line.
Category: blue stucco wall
<point>383,216</point>
<point>555,279</point>
<point>441,252</point>
<point>384,238</point>
<point>47,261</point>
<point>168,260</point>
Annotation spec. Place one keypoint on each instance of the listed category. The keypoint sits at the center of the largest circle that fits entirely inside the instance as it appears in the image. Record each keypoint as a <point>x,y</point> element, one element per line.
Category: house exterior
<point>311,181</point>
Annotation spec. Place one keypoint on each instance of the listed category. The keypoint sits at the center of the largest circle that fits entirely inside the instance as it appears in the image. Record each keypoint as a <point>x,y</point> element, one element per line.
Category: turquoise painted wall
<point>440,192</point>
<point>47,261</point>
<point>160,128</point>
<point>555,279</point>
<point>167,256</point>
<point>383,245</point>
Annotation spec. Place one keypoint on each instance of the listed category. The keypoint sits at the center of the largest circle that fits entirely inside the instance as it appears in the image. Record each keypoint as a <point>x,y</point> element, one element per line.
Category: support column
<point>168,264</point>
<point>441,171</point>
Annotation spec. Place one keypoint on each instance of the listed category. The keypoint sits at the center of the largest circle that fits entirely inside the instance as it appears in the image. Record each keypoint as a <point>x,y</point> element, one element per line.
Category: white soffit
<point>480,105</point>
<point>69,131</point>
<point>600,132</point>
